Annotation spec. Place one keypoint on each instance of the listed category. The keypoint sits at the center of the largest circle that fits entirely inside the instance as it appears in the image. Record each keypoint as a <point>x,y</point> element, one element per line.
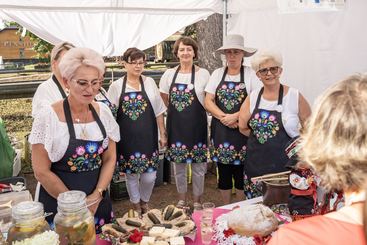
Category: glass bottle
<point>28,221</point>
<point>74,222</point>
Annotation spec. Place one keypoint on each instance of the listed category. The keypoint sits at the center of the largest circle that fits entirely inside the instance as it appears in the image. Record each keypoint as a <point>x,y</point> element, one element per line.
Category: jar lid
<point>27,210</point>
<point>71,201</point>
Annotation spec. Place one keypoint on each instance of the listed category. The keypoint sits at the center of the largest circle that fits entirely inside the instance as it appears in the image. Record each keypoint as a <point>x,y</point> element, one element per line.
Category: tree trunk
<point>209,38</point>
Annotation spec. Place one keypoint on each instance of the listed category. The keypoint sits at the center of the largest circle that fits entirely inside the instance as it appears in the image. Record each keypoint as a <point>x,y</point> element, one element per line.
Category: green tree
<point>191,31</point>
<point>40,46</point>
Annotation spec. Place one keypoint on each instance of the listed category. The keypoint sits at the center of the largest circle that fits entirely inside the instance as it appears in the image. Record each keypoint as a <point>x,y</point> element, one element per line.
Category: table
<point>102,242</point>
<point>196,216</point>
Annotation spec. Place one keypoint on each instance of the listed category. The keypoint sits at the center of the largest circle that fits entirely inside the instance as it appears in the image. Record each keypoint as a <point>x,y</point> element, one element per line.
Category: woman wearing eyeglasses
<point>270,116</point>
<point>139,115</point>
<point>73,140</point>
<point>226,90</point>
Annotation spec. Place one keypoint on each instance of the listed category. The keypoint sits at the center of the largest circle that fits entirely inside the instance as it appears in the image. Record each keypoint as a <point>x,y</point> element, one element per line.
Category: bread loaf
<point>252,220</point>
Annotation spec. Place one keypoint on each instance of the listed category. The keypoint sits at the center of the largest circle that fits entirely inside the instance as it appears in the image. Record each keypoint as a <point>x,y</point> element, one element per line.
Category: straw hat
<point>235,41</point>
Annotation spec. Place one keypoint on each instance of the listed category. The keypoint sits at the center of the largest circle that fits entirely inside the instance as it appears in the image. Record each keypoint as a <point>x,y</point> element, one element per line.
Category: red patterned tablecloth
<point>102,242</point>
<point>197,217</point>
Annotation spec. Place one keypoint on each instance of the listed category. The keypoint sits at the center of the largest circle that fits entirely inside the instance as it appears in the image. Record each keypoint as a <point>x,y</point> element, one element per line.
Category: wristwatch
<point>101,192</point>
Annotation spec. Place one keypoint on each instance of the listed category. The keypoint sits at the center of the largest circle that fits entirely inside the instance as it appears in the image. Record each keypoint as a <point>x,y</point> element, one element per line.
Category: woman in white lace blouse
<point>73,140</point>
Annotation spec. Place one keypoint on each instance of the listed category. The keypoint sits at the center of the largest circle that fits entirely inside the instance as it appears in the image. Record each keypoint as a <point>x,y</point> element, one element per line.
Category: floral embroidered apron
<point>186,123</point>
<point>137,151</point>
<point>267,140</point>
<point>229,145</point>
<point>102,97</point>
<point>79,169</point>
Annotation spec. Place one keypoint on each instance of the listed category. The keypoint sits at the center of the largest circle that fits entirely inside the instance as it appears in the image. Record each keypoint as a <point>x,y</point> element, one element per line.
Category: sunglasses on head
<point>273,70</point>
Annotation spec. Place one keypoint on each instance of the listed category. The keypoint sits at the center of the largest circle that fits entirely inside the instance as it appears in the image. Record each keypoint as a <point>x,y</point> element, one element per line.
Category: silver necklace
<point>83,125</point>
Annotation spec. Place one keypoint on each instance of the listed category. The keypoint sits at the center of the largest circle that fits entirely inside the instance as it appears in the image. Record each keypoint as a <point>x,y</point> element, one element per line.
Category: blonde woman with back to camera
<point>73,140</point>
<point>335,145</point>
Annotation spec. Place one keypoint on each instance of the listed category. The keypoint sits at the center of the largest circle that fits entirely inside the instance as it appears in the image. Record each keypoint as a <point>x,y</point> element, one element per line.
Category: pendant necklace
<point>83,133</point>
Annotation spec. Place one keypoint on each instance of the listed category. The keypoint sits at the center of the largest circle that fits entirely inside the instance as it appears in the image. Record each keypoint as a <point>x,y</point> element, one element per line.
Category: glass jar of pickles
<point>29,220</point>
<point>74,222</point>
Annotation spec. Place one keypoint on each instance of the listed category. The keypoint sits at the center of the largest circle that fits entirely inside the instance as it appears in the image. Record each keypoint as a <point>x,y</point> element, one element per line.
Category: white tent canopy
<point>109,27</point>
<point>318,48</point>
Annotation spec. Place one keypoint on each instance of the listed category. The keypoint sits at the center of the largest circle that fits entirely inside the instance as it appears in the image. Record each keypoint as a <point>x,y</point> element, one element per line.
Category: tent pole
<point>225,14</point>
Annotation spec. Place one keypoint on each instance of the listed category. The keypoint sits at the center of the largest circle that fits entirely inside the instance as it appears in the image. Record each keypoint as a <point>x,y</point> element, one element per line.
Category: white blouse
<point>252,82</point>
<point>49,131</point>
<point>46,94</point>
<point>201,79</point>
<point>289,109</point>
<point>151,89</point>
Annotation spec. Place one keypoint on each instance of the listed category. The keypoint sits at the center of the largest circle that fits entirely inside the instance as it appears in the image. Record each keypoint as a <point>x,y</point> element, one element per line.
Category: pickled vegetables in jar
<point>74,222</point>
<point>29,220</point>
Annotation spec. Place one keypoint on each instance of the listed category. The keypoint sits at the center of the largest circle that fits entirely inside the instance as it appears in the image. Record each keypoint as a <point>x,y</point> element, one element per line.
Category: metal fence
<point>26,89</point>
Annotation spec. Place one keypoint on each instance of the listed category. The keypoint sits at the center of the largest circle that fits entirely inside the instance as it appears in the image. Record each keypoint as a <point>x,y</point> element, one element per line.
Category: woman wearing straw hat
<point>270,116</point>
<point>227,89</point>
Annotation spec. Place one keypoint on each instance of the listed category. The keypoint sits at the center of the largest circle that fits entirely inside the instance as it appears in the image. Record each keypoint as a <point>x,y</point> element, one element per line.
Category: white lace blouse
<point>48,130</point>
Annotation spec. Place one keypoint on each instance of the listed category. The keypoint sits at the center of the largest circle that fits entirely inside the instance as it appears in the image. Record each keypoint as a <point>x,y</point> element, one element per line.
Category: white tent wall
<point>318,48</point>
<point>109,27</point>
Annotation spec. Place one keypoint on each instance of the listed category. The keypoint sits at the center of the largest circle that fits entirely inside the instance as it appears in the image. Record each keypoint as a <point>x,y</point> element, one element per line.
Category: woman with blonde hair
<point>335,145</point>
<point>73,140</point>
<point>270,117</point>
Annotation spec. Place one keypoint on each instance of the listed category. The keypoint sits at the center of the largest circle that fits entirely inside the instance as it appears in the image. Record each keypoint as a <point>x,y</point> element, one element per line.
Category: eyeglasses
<point>134,63</point>
<point>84,84</point>
<point>273,70</point>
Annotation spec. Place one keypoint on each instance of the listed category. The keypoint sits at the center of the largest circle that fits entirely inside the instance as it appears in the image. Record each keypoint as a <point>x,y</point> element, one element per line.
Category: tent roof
<point>109,27</point>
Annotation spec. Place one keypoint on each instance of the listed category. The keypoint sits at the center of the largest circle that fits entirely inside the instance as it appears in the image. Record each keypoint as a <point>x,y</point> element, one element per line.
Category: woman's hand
<point>41,164</point>
<point>230,120</point>
<point>94,199</point>
<point>163,140</point>
<point>162,131</point>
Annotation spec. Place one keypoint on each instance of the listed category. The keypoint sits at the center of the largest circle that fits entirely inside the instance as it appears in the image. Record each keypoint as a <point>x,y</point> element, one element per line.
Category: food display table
<point>217,212</point>
<point>197,217</point>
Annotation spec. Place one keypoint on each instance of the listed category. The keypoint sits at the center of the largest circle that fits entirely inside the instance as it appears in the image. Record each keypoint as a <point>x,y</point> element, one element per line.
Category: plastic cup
<point>206,232</point>
<point>208,209</point>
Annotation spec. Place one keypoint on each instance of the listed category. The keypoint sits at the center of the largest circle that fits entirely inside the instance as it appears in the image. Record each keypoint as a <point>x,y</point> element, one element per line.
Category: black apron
<point>62,92</point>
<point>107,102</point>
<point>137,151</point>
<point>186,123</point>
<point>79,169</point>
<point>229,145</point>
<point>267,140</point>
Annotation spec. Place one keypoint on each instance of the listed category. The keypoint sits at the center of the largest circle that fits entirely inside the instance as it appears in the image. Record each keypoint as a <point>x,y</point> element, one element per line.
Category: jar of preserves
<point>28,221</point>
<point>74,223</point>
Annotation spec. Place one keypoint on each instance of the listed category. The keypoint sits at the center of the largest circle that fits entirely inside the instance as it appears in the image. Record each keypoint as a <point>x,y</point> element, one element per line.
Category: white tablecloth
<point>242,203</point>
